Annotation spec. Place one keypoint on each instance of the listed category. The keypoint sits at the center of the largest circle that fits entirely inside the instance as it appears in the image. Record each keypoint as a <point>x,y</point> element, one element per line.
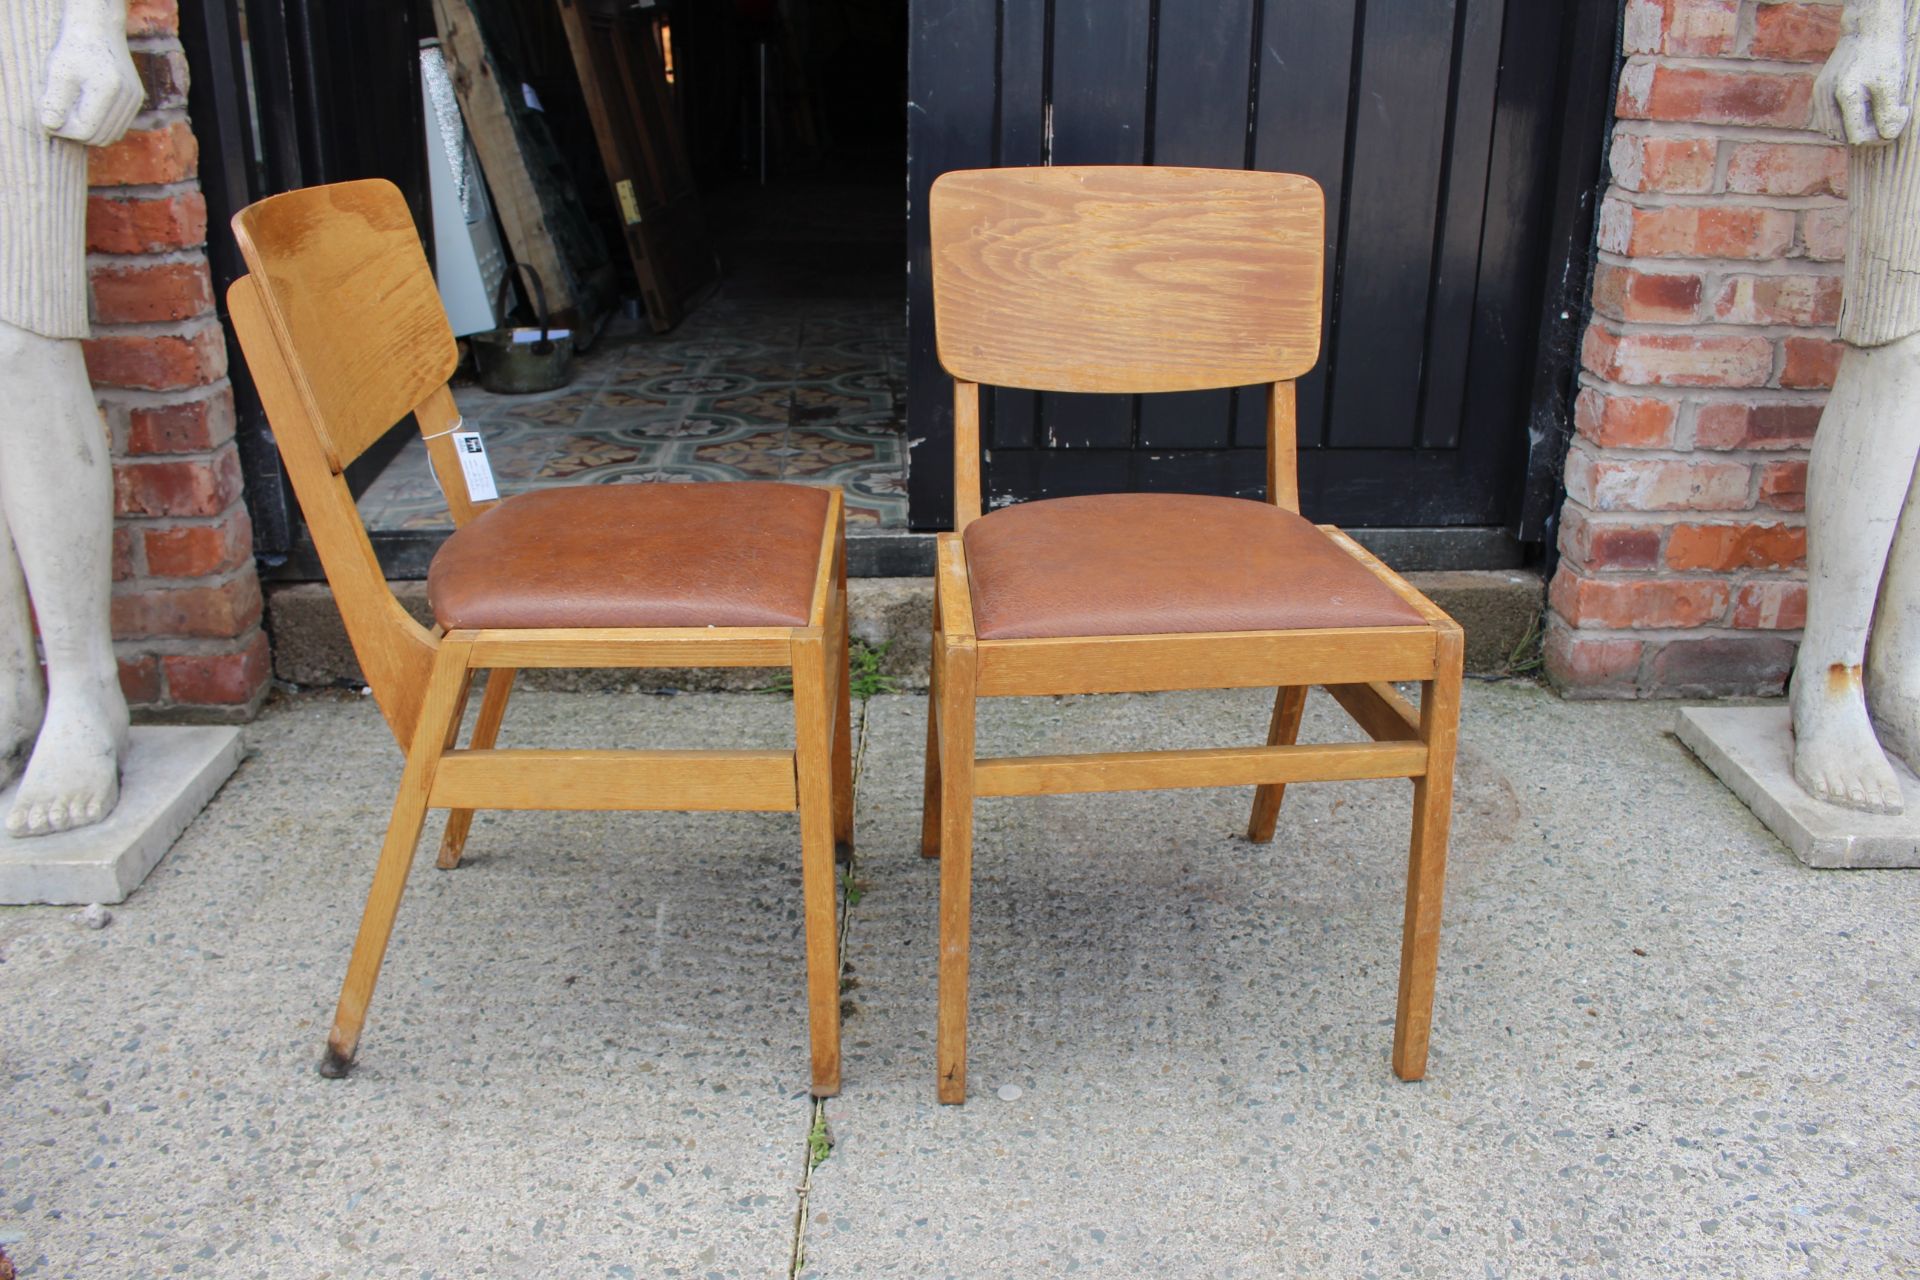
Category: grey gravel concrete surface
<point>1662,1047</point>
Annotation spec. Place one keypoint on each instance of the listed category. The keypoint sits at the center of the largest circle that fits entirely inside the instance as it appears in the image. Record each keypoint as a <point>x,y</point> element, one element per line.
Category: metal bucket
<point>512,361</point>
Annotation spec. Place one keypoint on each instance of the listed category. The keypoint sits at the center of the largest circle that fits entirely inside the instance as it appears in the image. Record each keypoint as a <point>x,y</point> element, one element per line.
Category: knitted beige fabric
<point>1883,235</point>
<point>43,185</point>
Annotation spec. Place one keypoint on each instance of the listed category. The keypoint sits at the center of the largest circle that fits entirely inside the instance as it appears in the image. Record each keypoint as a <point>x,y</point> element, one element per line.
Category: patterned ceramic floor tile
<point>797,389</point>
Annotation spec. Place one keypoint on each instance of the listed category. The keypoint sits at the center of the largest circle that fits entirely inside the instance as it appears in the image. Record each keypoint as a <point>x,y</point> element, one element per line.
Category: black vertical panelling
<point>1456,266</point>
<point>1099,116</point>
<point>1014,415</point>
<point>1392,198</point>
<point>950,97</point>
<point>1439,131</point>
<point>1199,118</point>
<point>1306,53</point>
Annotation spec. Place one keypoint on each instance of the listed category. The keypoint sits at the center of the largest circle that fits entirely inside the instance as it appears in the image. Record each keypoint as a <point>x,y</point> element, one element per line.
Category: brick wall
<point>186,600</point>
<point>1708,358</point>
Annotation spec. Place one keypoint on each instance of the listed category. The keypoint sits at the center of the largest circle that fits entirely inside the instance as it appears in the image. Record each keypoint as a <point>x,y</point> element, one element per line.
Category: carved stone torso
<point>43,185</point>
<point>1883,239</point>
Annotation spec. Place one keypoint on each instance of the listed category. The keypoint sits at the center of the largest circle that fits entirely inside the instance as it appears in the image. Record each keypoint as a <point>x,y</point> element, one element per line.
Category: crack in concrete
<point>817,1108</point>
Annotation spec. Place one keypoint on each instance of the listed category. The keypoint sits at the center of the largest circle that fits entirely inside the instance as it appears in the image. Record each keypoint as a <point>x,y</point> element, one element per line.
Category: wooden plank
<point>812,765</point>
<point>966,454</point>
<point>394,650</point>
<point>1058,278</point>
<point>1427,863</point>
<point>950,114</point>
<point>510,180</point>
<point>1302,71</point>
<point>655,647</point>
<point>1213,767</point>
<point>1379,709</point>
<point>357,304</point>
<point>823,581</point>
<point>955,593</point>
<point>1463,207</point>
<point>956,867</point>
<point>1289,703</point>
<point>1386,264</point>
<point>1283,453</point>
<point>606,780</point>
<point>1235,660</point>
<point>1432,612</point>
<point>1096,114</point>
<point>671,260</point>
<point>1200,117</point>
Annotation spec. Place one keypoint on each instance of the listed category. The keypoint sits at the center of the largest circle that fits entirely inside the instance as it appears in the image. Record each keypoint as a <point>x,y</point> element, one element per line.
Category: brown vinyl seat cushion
<point>1158,563</point>
<point>635,555</point>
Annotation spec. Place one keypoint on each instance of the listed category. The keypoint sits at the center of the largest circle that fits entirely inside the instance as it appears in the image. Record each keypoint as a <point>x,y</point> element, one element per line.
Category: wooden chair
<point>344,333</point>
<point>1152,280</point>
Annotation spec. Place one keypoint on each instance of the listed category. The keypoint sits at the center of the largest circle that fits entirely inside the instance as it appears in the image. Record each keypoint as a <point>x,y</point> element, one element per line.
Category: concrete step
<point>1499,608</point>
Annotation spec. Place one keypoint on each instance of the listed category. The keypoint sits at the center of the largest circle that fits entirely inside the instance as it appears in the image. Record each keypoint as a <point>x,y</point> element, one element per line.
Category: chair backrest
<point>1127,279</point>
<point>347,288</point>
<point>344,334</point>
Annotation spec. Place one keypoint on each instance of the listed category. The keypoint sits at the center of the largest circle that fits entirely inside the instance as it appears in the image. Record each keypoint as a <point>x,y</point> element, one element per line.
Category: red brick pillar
<point>186,599</point>
<point>1708,358</point>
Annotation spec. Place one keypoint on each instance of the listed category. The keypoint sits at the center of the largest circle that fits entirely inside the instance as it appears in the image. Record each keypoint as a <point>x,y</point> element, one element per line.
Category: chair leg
<point>440,713</point>
<point>930,795</point>
<point>843,725</point>
<point>1288,704</point>
<point>813,727</point>
<point>956,865</point>
<point>1427,861</point>
<point>486,730</point>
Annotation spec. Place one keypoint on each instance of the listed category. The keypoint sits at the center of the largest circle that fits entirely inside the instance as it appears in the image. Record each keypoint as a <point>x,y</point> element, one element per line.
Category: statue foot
<point>73,778</point>
<point>1836,756</point>
<point>1896,716</point>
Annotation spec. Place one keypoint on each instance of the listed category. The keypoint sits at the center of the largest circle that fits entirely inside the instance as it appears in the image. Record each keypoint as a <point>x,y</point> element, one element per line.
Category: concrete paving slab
<point>587,1055</point>
<point>169,775</point>
<point>1751,750</point>
<point>1661,1048</point>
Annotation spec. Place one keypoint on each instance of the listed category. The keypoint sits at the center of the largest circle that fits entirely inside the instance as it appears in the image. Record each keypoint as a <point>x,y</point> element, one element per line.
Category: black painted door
<point>1432,126</point>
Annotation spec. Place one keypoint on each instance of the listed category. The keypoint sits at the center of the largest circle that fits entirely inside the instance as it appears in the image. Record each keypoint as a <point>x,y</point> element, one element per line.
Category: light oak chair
<point>344,334</point>
<point>1152,280</point>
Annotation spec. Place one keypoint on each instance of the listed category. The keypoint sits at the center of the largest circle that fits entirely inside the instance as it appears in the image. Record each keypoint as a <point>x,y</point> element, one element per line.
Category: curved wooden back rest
<point>344,334</point>
<point>1126,279</point>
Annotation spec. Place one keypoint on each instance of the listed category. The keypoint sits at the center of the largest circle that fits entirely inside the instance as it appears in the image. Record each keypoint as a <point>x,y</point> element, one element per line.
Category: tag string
<point>459,424</point>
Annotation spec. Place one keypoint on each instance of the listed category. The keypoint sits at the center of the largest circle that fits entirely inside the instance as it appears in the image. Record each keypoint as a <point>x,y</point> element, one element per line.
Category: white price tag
<point>473,465</point>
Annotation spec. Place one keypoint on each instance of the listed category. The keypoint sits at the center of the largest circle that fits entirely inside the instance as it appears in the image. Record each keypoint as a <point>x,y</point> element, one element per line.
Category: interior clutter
<point>672,237</point>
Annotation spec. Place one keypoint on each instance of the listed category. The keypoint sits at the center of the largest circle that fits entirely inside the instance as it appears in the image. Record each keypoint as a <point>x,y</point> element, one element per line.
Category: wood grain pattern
<point>654,647</point>
<point>486,731</point>
<point>1289,705</point>
<point>966,454</point>
<point>1165,279</point>
<point>510,181</point>
<point>1283,447</point>
<point>394,651</point>
<point>343,281</point>
<point>1207,767</point>
<point>331,324</point>
<point>690,781</point>
<point>1235,660</point>
<point>813,769</point>
<point>1379,709</point>
<point>956,866</point>
<point>1427,860</point>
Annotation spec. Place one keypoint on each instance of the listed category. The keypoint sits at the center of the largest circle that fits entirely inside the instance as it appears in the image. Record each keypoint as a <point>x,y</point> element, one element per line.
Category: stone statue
<point>1853,700</point>
<point>66,83</point>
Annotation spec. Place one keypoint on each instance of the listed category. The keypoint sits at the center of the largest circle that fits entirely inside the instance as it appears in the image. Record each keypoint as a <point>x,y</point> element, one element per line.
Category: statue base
<point>169,775</point>
<point>1750,749</point>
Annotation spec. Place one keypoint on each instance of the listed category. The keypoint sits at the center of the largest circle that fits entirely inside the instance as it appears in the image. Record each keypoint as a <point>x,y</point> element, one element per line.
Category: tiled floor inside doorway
<point>757,384</point>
